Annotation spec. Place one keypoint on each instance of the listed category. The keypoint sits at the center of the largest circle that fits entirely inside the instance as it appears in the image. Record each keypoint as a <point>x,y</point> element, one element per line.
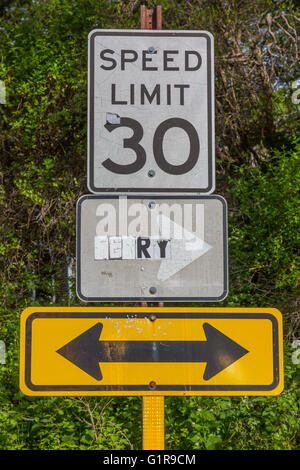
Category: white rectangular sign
<point>151,112</point>
<point>160,248</point>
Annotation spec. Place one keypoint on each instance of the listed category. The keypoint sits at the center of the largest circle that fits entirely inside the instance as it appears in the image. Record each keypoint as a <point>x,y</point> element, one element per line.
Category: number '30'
<point>133,143</point>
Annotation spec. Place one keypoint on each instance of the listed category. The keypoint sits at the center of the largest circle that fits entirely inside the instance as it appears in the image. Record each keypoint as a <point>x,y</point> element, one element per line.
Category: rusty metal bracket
<point>151,18</point>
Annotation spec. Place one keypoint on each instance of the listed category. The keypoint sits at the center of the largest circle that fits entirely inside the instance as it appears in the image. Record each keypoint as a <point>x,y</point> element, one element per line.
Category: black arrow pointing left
<point>86,351</point>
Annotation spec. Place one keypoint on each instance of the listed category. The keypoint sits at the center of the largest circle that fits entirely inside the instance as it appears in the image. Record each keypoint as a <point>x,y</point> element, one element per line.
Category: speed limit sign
<point>151,112</point>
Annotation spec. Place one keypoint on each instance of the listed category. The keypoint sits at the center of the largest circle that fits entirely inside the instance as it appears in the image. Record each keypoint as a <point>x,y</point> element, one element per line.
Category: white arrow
<point>186,247</point>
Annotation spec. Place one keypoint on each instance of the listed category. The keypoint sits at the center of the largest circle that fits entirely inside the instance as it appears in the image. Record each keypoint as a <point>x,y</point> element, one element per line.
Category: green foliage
<point>264,225</point>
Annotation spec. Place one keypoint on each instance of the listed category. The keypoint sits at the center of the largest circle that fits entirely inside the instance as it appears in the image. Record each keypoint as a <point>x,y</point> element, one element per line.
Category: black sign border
<point>159,388</point>
<point>150,299</point>
<point>91,163</point>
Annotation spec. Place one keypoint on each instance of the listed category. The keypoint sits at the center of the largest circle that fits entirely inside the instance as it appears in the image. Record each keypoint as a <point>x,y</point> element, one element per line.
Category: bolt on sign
<point>151,111</point>
<point>146,351</point>
<point>159,248</point>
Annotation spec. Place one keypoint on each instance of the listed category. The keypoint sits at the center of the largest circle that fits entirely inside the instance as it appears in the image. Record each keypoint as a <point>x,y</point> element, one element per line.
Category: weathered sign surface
<point>146,351</point>
<point>151,111</point>
<point>152,249</point>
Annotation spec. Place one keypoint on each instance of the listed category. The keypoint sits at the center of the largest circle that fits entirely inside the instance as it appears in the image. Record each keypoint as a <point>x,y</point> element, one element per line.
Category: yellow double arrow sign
<point>151,351</point>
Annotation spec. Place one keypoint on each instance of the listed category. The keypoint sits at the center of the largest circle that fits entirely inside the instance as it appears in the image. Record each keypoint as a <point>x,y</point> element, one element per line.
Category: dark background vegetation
<point>43,63</point>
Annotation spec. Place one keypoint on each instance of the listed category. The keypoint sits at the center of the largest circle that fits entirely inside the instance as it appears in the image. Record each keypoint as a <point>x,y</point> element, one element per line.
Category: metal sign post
<point>153,407</point>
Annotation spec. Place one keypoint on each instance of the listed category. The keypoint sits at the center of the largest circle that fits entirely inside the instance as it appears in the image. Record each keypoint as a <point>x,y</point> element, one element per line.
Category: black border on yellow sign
<point>142,387</point>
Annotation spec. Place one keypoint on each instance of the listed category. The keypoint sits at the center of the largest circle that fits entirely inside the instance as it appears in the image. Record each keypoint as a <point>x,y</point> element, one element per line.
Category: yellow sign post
<point>151,351</point>
<point>153,423</point>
